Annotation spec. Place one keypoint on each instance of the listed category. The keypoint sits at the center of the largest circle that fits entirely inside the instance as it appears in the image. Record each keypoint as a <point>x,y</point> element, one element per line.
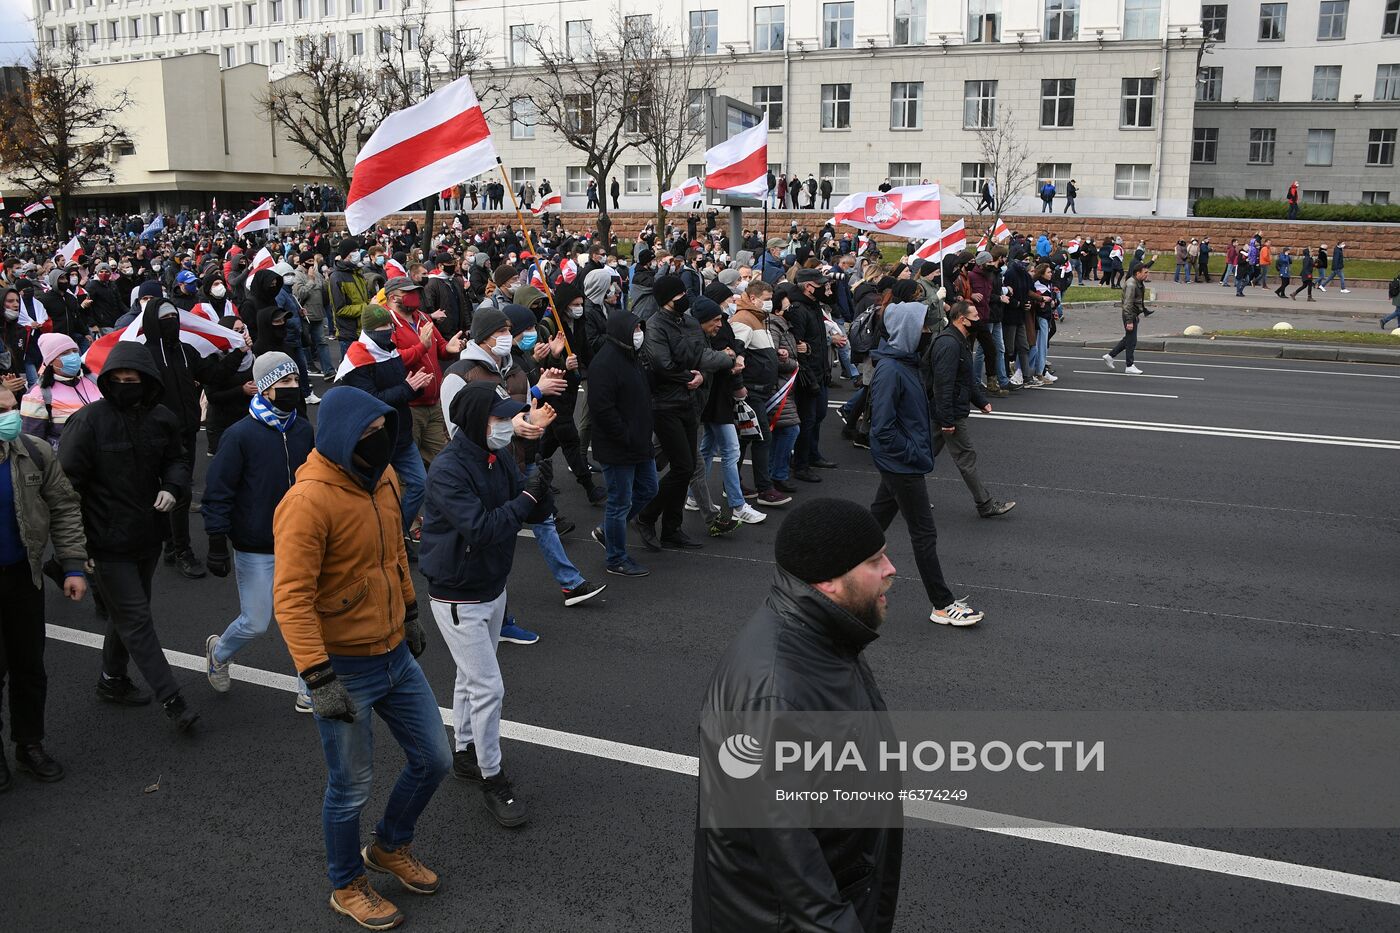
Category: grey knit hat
<point>271,368</point>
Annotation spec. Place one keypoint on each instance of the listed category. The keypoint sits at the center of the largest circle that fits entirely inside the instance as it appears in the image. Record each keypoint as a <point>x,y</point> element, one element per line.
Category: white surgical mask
<point>500,435</point>
<point>767,305</point>
<point>576,311</point>
<point>637,337</point>
<point>502,345</point>
<point>217,290</point>
<point>72,280</point>
<point>155,267</point>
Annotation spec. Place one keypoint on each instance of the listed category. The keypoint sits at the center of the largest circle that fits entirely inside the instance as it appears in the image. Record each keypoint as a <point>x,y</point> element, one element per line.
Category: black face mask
<point>375,450</point>
<point>682,304</point>
<point>284,400</point>
<point>125,395</point>
<point>448,270</point>
<point>169,328</point>
<point>384,339</point>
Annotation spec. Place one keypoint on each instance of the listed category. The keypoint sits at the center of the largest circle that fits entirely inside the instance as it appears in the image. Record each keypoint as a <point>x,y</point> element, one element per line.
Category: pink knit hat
<point>52,346</point>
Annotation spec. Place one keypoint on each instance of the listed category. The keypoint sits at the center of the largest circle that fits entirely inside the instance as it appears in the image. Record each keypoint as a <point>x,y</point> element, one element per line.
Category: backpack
<point>1395,288</point>
<point>864,332</point>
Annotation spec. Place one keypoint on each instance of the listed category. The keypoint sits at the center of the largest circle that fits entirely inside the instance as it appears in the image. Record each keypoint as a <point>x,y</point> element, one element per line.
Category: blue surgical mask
<point>70,364</point>
<point>9,425</point>
<point>528,341</point>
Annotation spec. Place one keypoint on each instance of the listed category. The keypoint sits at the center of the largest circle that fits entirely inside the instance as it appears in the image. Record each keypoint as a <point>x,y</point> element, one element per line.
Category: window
<point>1056,102</point>
<point>1273,21</point>
<point>840,175</point>
<point>910,26</point>
<point>383,40</point>
<point>274,11</point>
<point>114,30</point>
<point>133,28</point>
<point>1140,18</point>
<point>157,22</point>
<point>1261,146</point>
<point>1258,194</point>
<point>637,119</point>
<point>1138,97</point>
<point>381,6</point>
<point>1204,141</point>
<point>229,56</point>
<point>1195,194</point>
<point>303,9</point>
<point>357,44</point>
<point>1388,82</point>
<point>327,7</point>
<point>1061,20</point>
<point>520,51</point>
<point>836,106</point>
<point>1332,19</point>
<point>1314,197</point>
<point>411,35</point>
<point>575,181</point>
<point>177,22</point>
<point>1380,147</point>
<point>983,20</point>
<point>979,104</point>
<point>905,173</point>
<point>907,105</point>
<point>1391,24</point>
<point>279,51</point>
<point>698,105</point>
<point>1213,20</point>
<point>522,118</point>
<point>636,179</point>
<point>768,29</point>
<point>704,31</point>
<point>1057,172</point>
<point>578,112</point>
<point>578,38</point>
<point>1208,82</point>
<point>225,17</point>
<point>329,45</point>
<point>250,53</point>
<point>519,176</point>
<point>1132,182</point>
<point>355,6</point>
<point>1266,82</point>
<point>769,99</point>
<point>973,175</point>
<point>1375,197</point>
<point>637,25</point>
<point>697,169</point>
<point>250,14</point>
<point>1327,82</point>
<point>92,33</point>
<point>838,25</point>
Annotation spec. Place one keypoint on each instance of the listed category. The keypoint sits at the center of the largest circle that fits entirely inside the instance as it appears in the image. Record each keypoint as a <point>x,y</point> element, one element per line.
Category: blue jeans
<point>413,478</point>
<point>254,575</point>
<point>979,361</point>
<point>1229,273</point>
<point>843,354</point>
<point>393,686</point>
<point>1392,316</point>
<point>1041,347</point>
<point>317,331</point>
<point>1176,276</point>
<point>726,438</point>
<point>552,549</point>
<point>630,487</point>
<point>1335,274</point>
<point>784,436</point>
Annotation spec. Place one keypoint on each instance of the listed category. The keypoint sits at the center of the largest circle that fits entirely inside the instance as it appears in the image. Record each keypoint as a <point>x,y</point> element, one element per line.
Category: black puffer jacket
<point>182,371</point>
<point>619,397</point>
<point>119,460</point>
<point>799,652</point>
<point>674,346</point>
<point>949,360</point>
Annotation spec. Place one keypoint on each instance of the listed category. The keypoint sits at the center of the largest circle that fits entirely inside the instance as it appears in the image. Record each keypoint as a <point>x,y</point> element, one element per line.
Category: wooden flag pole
<point>544,279</point>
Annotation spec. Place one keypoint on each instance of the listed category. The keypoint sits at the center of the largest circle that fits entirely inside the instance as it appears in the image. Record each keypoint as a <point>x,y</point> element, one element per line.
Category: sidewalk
<point>1362,302</point>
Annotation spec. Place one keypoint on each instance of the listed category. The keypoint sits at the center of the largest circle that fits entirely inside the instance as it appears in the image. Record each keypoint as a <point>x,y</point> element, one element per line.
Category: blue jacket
<point>901,439</point>
<point>473,511</point>
<point>255,466</point>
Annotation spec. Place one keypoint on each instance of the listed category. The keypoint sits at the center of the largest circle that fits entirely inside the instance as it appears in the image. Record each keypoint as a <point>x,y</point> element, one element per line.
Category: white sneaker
<point>1049,378</point>
<point>1133,371</point>
<point>218,673</point>
<point>750,515</point>
<point>1109,360</point>
<point>1321,289</point>
<point>690,504</point>
<point>956,613</point>
<point>1017,379</point>
<point>312,399</point>
<point>1346,291</point>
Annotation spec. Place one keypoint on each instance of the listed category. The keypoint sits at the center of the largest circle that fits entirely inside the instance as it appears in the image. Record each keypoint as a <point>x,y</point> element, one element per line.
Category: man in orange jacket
<point>349,615</point>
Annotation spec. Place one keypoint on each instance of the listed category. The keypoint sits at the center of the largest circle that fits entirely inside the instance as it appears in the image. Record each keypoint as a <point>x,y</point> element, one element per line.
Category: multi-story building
<point>1101,91</point>
<point>1305,90</point>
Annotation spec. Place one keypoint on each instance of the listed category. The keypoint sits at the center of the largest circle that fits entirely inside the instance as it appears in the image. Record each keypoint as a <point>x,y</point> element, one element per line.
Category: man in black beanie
<point>802,651</point>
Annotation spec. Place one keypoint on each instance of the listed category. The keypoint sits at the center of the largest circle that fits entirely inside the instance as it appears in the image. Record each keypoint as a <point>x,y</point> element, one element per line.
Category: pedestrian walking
<point>1134,308</point>
<point>1071,192</point>
<point>1284,266</point>
<point>1306,275</point>
<point>1393,292</point>
<point>1232,261</point>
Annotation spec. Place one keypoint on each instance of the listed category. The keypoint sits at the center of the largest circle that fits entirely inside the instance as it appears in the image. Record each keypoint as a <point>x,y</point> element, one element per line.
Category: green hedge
<point>1278,210</point>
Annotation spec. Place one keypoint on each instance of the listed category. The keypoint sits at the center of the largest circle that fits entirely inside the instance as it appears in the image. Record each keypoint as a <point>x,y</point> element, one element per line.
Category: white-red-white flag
<point>2,202</point>
<point>259,218</point>
<point>910,211</point>
<point>950,241</point>
<point>682,195</point>
<point>554,201</point>
<point>739,165</point>
<point>263,260</point>
<point>394,269</point>
<point>72,251</point>
<point>420,151</point>
<point>1000,231</point>
<point>47,202</point>
<point>1072,246</point>
<point>196,330</point>
<point>35,208</point>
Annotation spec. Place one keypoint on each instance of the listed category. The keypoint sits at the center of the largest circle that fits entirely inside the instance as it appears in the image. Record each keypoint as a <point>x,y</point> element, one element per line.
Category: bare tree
<point>60,129</point>
<point>582,91</point>
<point>668,78</point>
<point>1007,158</point>
<point>325,107</point>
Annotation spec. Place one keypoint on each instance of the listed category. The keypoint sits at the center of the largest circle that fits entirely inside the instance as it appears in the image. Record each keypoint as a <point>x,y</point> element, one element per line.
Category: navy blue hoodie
<point>255,466</point>
<point>901,439</point>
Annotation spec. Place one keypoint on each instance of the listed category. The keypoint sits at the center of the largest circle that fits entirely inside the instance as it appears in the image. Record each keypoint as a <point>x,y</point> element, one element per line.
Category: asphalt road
<point>1178,544</point>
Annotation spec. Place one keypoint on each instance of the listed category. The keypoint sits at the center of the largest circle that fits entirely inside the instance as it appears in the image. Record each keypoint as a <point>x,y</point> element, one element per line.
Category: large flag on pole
<point>154,227</point>
<point>950,241</point>
<point>196,331</point>
<point>554,201</point>
<point>681,196</point>
<point>1000,232</point>
<point>259,218</point>
<point>910,211</point>
<point>418,152</point>
<point>739,165</point>
<point>71,252</point>
<point>37,206</point>
<point>263,260</point>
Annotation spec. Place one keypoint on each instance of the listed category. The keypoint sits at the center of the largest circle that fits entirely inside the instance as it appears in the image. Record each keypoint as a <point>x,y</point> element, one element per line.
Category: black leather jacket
<point>800,651</point>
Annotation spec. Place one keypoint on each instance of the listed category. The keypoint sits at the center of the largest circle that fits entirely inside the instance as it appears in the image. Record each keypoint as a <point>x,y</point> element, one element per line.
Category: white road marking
<point>1261,369</point>
<point>1198,429</point>
<point>1105,392</point>
<point>1120,844</point>
<point>1105,372</point>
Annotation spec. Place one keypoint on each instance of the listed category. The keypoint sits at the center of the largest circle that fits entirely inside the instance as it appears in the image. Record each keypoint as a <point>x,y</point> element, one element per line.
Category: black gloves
<point>329,698</point>
<point>219,560</point>
<point>537,485</point>
<point>413,631</point>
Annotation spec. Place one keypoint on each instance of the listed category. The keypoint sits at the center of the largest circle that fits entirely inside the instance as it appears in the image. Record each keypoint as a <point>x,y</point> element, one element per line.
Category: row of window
<point>1268,80</point>
<point>1307,195</point>
<point>1380,146</point>
<point>230,15</point>
<point>1273,20</point>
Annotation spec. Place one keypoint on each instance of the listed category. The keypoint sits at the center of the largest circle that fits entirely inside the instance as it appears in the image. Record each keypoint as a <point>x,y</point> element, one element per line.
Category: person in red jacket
<point>423,348</point>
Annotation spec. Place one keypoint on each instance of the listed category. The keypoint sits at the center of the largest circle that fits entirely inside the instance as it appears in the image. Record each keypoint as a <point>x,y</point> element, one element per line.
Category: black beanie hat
<point>486,321</point>
<point>703,309</point>
<point>718,292</point>
<point>667,287</point>
<point>822,539</point>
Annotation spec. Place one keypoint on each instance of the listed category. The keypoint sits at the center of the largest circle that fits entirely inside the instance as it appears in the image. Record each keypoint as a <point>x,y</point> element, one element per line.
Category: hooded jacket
<point>262,307</point>
<point>341,584</point>
<point>674,346</point>
<point>349,294</point>
<point>595,310</point>
<point>800,651</point>
<point>954,389</point>
<point>181,370</point>
<point>760,356</point>
<point>619,397</point>
<point>900,437</point>
<point>254,467</point>
<point>119,460</point>
<point>643,301</point>
<point>473,510</point>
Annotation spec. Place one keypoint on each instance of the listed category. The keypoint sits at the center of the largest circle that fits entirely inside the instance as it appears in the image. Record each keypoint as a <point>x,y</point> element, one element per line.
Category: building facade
<point>1305,90</point>
<point>1101,91</point>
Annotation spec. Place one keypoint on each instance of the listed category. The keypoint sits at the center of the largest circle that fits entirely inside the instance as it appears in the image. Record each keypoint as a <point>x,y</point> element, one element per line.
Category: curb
<point>1258,349</point>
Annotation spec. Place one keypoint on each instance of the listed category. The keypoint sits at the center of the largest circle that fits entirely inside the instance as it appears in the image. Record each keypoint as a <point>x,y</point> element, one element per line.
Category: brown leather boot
<point>403,865</point>
<point>362,903</point>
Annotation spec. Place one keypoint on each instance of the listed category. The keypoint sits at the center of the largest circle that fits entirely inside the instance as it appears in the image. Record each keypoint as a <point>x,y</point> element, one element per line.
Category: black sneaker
<point>679,539</point>
<point>180,714</point>
<point>499,797</point>
<point>824,464</point>
<point>784,486</point>
<point>33,760</point>
<point>597,535</point>
<point>190,567</point>
<point>563,525</point>
<point>583,593</point>
<point>597,495</point>
<point>628,568</point>
<point>121,691</point>
<point>647,533</point>
<point>464,764</point>
<point>862,441</point>
<point>722,526</point>
<point>807,476</point>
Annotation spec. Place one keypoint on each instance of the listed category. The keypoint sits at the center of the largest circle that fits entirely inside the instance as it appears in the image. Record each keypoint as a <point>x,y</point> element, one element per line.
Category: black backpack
<point>864,333</point>
<point>1395,288</point>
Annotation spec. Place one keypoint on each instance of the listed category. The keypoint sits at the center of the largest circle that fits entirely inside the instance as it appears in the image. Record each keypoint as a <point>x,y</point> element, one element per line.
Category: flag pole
<point>544,279</point>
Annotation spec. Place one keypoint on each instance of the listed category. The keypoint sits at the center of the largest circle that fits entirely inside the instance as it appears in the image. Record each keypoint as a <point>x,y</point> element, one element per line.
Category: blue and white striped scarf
<point>259,408</point>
